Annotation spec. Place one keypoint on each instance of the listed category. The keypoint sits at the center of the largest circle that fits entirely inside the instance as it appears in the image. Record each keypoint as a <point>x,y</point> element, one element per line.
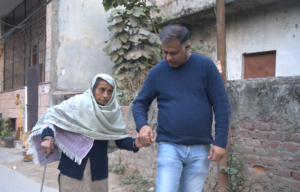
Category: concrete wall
<point>44,96</point>
<point>273,27</point>
<point>267,27</point>
<point>1,55</point>
<point>181,8</point>
<point>78,32</point>
<point>265,118</point>
<point>1,65</point>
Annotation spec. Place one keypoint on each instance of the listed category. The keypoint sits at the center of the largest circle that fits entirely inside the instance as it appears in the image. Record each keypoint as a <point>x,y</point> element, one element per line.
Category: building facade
<point>262,37</point>
<point>50,50</point>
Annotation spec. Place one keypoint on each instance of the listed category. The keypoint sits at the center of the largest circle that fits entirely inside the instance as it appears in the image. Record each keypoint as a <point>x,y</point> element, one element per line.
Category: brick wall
<point>265,118</point>
<point>10,109</point>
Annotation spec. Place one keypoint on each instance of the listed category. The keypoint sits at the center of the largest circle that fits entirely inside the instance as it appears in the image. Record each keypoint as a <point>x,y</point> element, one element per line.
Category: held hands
<point>138,143</point>
<point>47,146</point>
<point>145,137</point>
<point>216,153</point>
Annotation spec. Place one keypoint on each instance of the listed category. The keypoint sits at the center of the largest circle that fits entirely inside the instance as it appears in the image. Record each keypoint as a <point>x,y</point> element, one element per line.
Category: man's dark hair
<point>175,31</point>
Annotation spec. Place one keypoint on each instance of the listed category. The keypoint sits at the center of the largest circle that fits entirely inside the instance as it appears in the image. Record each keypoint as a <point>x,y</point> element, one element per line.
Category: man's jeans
<point>183,165</point>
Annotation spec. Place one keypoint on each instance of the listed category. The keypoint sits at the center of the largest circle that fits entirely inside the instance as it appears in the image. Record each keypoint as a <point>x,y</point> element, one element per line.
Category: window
<point>25,47</point>
<point>259,65</point>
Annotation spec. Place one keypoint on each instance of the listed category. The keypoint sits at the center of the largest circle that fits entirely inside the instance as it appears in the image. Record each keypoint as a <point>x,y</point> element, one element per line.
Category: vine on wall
<point>235,167</point>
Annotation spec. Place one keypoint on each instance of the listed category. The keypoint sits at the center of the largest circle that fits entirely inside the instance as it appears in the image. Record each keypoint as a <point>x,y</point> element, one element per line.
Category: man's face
<point>174,53</point>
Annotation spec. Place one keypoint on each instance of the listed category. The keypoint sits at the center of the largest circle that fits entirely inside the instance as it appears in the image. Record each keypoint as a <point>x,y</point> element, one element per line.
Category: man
<point>188,87</point>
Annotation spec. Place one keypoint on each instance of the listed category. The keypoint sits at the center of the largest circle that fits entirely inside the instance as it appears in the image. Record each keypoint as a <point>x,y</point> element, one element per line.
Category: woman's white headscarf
<point>82,114</point>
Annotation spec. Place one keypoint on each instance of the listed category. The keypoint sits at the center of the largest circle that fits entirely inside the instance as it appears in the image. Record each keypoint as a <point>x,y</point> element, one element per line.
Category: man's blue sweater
<point>186,97</point>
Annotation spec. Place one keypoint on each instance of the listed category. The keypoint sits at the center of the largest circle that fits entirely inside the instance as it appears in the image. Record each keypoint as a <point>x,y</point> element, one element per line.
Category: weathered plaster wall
<point>1,66</point>
<point>267,27</point>
<point>44,93</point>
<point>203,39</point>
<point>181,8</point>
<point>1,56</point>
<point>265,118</point>
<point>79,30</point>
<point>272,27</point>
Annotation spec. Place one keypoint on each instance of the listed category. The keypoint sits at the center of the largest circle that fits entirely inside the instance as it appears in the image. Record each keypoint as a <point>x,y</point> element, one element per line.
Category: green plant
<point>119,169</point>
<point>5,129</point>
<point>141,183</point>
<point>234,169</point>
<point>134,45</point>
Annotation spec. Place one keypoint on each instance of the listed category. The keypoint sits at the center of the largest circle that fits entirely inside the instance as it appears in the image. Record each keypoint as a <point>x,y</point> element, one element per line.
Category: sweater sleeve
<point>47,132</point>
<point>142,102</point>
<point>127,144</point>
<point>219,101</point>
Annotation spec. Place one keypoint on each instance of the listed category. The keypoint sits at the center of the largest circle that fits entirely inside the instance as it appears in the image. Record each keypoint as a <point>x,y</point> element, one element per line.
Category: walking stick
<point>45,170</point>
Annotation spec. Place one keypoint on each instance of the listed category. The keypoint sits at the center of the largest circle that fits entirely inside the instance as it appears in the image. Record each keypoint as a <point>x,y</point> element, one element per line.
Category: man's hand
<point>146,136</point>
<point>47,146</point>
<point>216,153</point>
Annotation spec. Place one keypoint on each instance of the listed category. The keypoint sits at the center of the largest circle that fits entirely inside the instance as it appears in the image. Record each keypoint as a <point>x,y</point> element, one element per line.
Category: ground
<point>14,157</point>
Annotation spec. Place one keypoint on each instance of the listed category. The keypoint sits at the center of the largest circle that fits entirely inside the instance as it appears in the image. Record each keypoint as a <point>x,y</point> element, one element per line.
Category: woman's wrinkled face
<point>103,92</point>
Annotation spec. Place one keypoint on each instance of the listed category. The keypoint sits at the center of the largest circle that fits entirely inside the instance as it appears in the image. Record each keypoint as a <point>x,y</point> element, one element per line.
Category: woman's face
<point>103,92</point>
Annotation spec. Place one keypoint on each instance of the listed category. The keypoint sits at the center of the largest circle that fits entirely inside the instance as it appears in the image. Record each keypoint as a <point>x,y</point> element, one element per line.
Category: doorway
<point>33,79</point>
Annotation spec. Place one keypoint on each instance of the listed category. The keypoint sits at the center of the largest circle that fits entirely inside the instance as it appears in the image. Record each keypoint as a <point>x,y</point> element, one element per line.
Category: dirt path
<point>35,172</point>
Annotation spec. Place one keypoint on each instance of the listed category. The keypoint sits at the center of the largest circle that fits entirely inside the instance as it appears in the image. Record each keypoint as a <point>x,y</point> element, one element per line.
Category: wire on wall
<point>22,25</point>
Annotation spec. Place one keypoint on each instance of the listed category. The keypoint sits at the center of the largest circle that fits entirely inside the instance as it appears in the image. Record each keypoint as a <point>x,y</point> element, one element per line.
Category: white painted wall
<point>82,30</point>
<point>181,8</point>
<point>275,27</point>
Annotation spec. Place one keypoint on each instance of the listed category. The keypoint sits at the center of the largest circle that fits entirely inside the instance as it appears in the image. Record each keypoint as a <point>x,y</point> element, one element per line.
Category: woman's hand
<point>139,144</point>
<point>47,146</point>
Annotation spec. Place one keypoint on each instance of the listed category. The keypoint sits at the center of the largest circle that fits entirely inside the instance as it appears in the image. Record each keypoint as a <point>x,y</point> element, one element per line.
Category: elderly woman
<point>82,127</point>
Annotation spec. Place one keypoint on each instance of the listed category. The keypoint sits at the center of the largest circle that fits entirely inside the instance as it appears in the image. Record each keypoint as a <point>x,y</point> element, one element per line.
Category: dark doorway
<point>12,124</point>
<point>259,65</point>
<point>33,79</point>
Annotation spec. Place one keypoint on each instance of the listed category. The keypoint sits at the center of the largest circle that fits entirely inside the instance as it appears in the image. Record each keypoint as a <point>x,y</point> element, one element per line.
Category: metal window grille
<point>26,47</point>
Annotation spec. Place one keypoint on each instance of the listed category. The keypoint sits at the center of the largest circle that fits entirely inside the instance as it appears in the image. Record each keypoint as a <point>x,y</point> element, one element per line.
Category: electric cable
<point>7,24</point>
<point>22,25</point>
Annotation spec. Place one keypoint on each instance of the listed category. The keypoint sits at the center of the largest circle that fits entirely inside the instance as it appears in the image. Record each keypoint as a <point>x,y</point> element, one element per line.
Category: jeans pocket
<point>206,147</point>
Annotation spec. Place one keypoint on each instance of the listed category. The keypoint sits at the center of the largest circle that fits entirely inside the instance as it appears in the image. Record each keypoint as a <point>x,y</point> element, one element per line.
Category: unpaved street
<point>27,176</point>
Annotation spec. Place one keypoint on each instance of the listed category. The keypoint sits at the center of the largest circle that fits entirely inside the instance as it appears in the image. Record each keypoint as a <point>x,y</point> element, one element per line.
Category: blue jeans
<point>183,165</point>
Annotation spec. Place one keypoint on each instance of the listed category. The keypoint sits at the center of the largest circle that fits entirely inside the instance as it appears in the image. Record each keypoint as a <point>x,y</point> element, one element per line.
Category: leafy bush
<point>5,129</point>
<point>134,45</point>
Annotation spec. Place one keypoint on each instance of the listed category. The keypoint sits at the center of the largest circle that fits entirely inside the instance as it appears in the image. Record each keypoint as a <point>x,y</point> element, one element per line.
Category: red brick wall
<point>10,109</point>
<point>265,118</point>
